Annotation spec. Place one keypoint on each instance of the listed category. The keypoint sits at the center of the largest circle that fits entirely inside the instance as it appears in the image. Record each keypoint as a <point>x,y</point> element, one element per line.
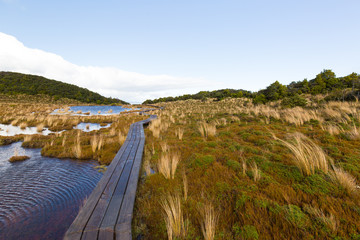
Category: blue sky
<point>217,44</point>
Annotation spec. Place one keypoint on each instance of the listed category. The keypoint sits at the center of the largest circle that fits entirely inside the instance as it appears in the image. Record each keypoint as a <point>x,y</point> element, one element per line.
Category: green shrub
<point>247,232</point>
<point>296,216</point>
<point>294,101</point>
<point>234,165</point>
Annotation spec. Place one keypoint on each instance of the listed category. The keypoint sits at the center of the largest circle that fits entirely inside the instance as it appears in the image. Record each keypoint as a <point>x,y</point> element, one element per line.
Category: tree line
<point>336,88</point>
<point>17,83</point>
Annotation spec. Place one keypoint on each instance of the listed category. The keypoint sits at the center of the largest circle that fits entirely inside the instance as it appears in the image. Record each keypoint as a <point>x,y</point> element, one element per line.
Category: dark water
<point>40,197</point>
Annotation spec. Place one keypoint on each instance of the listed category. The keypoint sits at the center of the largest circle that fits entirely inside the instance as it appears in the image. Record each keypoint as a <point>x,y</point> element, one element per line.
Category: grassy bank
<point>233,170</point>
<point>66,142</point>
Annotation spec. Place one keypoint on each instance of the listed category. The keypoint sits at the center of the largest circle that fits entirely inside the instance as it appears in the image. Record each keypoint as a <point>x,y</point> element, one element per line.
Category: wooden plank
<point>123,225</point>
<point>110,206</point>
<point>102,205</point>
<point>80,221</point>
<point>109,221</point>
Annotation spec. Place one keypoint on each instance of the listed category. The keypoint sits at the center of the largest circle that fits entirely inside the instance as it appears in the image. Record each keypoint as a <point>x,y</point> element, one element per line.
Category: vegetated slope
<point>326,82</point>
<point>230,169</point>
<point>17,83</point>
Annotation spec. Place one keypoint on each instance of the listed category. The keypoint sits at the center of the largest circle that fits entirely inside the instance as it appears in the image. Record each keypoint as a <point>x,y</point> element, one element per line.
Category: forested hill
<point>326,83</point>
<point>17,83</point>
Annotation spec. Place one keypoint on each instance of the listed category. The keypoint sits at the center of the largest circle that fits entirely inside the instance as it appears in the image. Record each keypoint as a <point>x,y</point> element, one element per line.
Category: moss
<point>234,165</point>
<point>315,184</point>
<point>204,161</point>
<point>296,216</point>
<point>246,232</point>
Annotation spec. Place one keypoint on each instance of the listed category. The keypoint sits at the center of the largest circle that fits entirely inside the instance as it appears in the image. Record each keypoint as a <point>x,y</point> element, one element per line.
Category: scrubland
<point>230,169</point>
<point>66,142</point>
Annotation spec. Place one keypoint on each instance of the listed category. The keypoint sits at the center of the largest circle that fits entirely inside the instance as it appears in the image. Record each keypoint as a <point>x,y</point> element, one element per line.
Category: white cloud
<point>128,86</point>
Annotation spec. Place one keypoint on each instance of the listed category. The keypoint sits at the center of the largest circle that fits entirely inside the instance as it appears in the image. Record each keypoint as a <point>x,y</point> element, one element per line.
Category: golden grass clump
<point>308,156</point>
<point>40,127</point>
<point>244,167</point>
<point>344,179</point>
<point>207,129</point>
<point>167,164</point>
<point>186,187</point>
<point>164,147</point>
<point>94,142</point>
<point>173,216</point>
<point>27,138</point>
<point>179,133</point>
<point>155,126</point>
<point>256,172</point>
<point>77,147</point>
<point>122,137</point>
<point>208,221</point>
<point>23,125</point>
<point>327,219</point>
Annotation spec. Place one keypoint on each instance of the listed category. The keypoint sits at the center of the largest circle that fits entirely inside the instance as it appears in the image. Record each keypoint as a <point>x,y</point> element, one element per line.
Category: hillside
<point>326,83</point>
<point>17,83</point>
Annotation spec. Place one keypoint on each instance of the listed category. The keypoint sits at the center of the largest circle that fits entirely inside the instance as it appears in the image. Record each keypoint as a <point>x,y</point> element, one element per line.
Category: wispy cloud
<point>129,86</point>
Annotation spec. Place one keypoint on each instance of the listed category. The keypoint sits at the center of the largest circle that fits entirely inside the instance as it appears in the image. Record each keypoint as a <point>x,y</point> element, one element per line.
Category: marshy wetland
<point>66,155</point>
<point>231,169</point>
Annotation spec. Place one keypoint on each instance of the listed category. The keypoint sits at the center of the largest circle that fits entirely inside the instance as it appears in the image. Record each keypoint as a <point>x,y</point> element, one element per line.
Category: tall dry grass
<point>256,172</point>
<point>179,133</point>
<point>308,156</point>
<point>168,163</point>
<point>122,137</point>
<point>154,127</point>
<point>207,129</point>
<point>185,186</point>
<point>208,221</point>
<point>327,219</point>
<point>173,216</point>
<point>344,179</point>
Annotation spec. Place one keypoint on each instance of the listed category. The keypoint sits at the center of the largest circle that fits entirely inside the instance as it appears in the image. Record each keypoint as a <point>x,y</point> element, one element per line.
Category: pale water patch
<point>9,130</point>
<point>88,127</point>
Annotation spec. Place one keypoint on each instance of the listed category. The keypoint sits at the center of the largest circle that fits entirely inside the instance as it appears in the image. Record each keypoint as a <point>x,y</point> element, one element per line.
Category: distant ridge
<point>12,83</point>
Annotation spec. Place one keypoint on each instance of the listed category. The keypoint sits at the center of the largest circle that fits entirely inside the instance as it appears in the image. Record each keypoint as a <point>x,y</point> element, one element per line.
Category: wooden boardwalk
<point>107,213</point>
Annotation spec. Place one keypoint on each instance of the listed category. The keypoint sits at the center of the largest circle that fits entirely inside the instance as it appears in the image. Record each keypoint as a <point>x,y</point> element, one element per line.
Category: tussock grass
<point>208,221</point>
<point>122,137</point>
<point>206,130</point>
<point>344,179</point>
<point>173,216</point>
<point>308,156</point>
<point>256,172</point>
<point>154,127</point>
<point>326,219</point>
<point>40,127</point>
<point>23,125</point>
<point>179,133</point>
<point>168,163</point>
<point>185,186</point>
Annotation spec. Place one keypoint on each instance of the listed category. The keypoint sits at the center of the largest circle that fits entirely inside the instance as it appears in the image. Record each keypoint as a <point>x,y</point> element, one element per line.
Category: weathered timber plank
<point>108,211</point>
<point>108,225</point>
<point>103,203</point>
<point>80,221</point>
<point>123,225</point>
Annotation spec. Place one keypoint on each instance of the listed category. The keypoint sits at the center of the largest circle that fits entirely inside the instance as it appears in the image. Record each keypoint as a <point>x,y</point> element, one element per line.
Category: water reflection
<point>9,130</point>
<point>40,197</point>
<point>88,127</point>
<point>92,110</point>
